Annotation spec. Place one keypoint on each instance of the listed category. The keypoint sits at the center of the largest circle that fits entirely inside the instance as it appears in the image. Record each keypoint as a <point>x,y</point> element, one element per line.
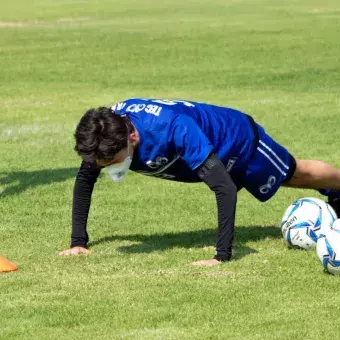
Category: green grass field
<point>278,61</point>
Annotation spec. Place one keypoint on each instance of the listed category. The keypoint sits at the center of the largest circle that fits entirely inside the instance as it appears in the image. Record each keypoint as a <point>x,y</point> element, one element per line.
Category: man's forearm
<point>215,175</point>
<point>83,188</point>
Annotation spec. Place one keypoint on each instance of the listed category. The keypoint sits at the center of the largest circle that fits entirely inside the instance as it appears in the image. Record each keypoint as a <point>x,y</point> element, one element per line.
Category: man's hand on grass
<point>206,263</point>
<point>75,251</point>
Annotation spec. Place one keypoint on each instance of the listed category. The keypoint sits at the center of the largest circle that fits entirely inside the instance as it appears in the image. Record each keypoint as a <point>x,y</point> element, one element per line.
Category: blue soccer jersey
<point>176,137</point>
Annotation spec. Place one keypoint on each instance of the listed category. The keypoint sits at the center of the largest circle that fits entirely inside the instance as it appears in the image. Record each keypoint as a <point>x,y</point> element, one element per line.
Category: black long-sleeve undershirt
<point>215,175</point>
<point>212,172</point>
<point>85,180</point>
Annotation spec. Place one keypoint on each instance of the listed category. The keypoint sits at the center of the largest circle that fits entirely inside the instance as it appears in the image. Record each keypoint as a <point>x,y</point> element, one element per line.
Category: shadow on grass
<point>18,181</point>
<point>192,239</point>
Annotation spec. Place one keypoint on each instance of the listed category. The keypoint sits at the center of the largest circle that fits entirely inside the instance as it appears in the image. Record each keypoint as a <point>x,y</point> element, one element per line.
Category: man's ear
<point>134,138</point>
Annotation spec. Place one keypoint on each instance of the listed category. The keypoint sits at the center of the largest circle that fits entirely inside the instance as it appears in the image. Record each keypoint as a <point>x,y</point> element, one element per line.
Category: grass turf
<point>277,61</point>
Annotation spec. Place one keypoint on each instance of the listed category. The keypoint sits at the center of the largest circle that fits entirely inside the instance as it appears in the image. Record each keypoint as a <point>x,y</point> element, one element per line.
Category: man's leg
<point>311,174</point>
<point>273,166</point>
<point>318,175</point>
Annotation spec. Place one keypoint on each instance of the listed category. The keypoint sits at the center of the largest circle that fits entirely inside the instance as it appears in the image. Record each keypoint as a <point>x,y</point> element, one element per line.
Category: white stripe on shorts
<point>274,154</point>
<point>272,161</point>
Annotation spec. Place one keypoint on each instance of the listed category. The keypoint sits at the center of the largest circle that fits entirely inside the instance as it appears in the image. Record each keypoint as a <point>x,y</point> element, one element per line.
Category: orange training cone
<point>7,266</point>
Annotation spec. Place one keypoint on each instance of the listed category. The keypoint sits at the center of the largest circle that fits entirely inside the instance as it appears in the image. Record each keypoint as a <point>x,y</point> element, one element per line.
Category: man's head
<point>103,136</point>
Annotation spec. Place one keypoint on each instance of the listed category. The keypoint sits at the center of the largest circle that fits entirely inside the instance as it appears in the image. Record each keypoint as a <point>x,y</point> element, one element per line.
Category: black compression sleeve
<point>215,175</point>
<point>85,180</point>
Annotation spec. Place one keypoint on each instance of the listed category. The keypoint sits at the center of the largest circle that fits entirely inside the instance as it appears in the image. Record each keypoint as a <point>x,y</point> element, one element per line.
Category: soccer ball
<point>305,220</point>
<point>328,250</point>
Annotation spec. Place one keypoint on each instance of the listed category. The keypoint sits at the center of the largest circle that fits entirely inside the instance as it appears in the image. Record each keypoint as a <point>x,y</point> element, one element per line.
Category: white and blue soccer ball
<point>328,249</point>
<point>305,220</point>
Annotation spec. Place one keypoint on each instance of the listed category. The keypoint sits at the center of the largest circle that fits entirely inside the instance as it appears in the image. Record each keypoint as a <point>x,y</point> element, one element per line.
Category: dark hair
<point>101,134</point>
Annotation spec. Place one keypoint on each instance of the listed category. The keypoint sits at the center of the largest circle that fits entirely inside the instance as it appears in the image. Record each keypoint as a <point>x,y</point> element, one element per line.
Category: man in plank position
<point>187,141</point>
